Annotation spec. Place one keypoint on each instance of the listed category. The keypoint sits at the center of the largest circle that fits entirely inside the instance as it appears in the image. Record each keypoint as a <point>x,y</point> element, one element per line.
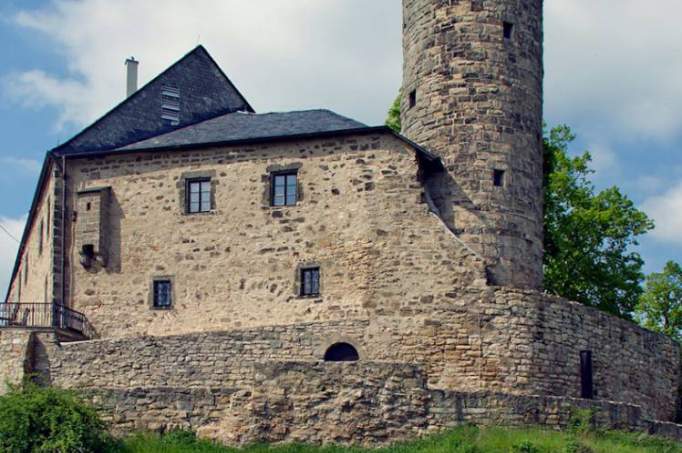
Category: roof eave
<point>269,139</point>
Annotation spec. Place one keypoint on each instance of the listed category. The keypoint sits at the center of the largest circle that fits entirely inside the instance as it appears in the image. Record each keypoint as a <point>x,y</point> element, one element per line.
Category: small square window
<point>508,30</point>
<point>498,178</point>
<point>413,98</point>
<point>310,281</point>
<point>284,190</point>
<point>198,195</point>
<point>163,297</point>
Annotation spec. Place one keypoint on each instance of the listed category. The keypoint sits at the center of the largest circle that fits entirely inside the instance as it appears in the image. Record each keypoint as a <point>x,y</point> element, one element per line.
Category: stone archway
<point>341,352</point>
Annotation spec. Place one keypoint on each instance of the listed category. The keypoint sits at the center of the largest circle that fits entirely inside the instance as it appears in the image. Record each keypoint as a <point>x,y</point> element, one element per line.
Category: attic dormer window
<point>170,105</point>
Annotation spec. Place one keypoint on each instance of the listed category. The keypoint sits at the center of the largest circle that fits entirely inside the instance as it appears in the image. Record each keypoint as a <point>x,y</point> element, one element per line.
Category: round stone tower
<point>472,93</point>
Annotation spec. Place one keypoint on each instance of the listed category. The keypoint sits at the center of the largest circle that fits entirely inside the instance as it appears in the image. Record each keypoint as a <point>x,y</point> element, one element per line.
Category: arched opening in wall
<point>341,352</point>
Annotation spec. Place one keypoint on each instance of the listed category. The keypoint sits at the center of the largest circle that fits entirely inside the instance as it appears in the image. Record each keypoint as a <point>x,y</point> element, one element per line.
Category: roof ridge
<point>198,48</point>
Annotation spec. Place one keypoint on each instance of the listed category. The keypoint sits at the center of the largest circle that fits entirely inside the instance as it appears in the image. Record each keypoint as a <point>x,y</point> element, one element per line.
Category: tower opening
<point>508,30</point>
<point>413,98</point>
<point>341,352</point>
<point>498,178</point>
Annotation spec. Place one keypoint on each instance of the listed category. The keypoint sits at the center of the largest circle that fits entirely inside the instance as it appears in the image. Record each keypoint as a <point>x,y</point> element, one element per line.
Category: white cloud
<point>31,166</point>
<point>613,67</point>
<point>340,54</point>
<point>604,160</point>
<point>665,209</point>
<point>8,249</point>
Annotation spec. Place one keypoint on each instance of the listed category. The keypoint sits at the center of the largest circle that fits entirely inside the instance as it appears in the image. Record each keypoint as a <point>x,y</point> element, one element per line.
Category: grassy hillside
<point>464,440</point>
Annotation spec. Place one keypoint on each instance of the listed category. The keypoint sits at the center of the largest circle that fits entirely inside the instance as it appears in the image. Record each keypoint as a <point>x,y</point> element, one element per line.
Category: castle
<point>301,276</point>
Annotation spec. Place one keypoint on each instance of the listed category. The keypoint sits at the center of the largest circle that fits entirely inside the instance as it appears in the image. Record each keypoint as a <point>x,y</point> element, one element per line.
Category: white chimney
<point>131,67</point>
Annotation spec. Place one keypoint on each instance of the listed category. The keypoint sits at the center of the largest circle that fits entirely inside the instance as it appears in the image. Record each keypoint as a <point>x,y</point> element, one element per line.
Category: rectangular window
<point>498,178</point>
<point>310,281</point>
<point>26,270</point>
<point>198,195</point>
<point>162,294</point>
<point>413,98</point>
<point>508,30</point>
<point>284,189</point>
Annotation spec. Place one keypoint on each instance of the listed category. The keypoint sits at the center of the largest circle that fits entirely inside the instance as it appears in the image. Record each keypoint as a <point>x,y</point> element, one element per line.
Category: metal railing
<point>42,315</point>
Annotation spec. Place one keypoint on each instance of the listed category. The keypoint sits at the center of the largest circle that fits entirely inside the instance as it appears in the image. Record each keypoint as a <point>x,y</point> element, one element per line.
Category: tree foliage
<point>660,307</point>
<point>589,235</point>
<point>36,419</point>
<point>393,119</point>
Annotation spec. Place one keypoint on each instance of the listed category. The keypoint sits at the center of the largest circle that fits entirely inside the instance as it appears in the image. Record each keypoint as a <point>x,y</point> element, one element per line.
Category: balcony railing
<point>41,315</point>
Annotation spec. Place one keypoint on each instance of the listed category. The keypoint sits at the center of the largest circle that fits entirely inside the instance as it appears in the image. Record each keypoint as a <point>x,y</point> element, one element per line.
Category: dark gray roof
<point>250,126</point>
<point>205,92</point>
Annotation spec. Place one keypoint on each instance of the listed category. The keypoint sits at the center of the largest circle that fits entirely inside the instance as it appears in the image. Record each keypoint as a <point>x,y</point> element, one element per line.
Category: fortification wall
<point>358,403</point>
<point>498,340</point>
<point>525,342</point>
<point>15,348</point>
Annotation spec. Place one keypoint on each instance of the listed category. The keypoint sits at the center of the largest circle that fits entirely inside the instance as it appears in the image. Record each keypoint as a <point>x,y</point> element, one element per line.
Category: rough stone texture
<point>361,217</point>
<point>406,254</point>
<point>500,340</point>
<point>15,350</point>
<point>479,106</point>
<point>362,403</point>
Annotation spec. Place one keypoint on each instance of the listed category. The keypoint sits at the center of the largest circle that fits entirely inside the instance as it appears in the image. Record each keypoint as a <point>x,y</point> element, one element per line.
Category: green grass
<point>461,440</point>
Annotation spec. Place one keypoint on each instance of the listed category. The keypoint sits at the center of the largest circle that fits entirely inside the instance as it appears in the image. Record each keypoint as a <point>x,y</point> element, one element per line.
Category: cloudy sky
<point>613,73</point>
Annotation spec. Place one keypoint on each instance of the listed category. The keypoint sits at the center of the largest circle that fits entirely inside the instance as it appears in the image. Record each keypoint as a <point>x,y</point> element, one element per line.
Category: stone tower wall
<point>474,97</point>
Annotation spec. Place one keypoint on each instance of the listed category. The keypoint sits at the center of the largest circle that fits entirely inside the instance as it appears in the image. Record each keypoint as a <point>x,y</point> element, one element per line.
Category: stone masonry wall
<point>33,282</point>
<point>15,353</point>
<point>524,342</point>
<point>352,403</point>
<point>361,217</point>
<point>497,340</point>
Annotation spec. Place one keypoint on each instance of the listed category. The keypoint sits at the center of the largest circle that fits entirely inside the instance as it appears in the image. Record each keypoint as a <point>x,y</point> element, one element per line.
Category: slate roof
<point>205,92</point>
<point>250,126</point>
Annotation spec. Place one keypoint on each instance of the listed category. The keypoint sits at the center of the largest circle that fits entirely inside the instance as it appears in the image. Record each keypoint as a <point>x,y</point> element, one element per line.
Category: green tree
<point>588,235</point>
<point>660,307</point>
<point>36,419</point>
<point>393,119</point>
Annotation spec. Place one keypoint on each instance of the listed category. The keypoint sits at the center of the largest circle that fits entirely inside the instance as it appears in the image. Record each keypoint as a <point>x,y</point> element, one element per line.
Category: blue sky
<point>613,73</point>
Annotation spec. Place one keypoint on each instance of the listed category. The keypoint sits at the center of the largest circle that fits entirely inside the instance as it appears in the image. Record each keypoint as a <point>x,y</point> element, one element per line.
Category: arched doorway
<point>341,352</point>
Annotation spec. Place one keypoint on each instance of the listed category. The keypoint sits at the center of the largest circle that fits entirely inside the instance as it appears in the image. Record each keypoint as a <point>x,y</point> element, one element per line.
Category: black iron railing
<point>42,315</point>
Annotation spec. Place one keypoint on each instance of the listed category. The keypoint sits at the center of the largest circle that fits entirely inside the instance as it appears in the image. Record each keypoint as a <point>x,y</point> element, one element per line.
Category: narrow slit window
<point>586,375</point>
<point>162,294</point>
<point>49,217</point>
<point>508,30</point>
<point>413,98</point>
<point>284,189</point>
<point>498,178</point>
<point>41,232</point>
<point>310,281</point>
<point>198,195</point>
